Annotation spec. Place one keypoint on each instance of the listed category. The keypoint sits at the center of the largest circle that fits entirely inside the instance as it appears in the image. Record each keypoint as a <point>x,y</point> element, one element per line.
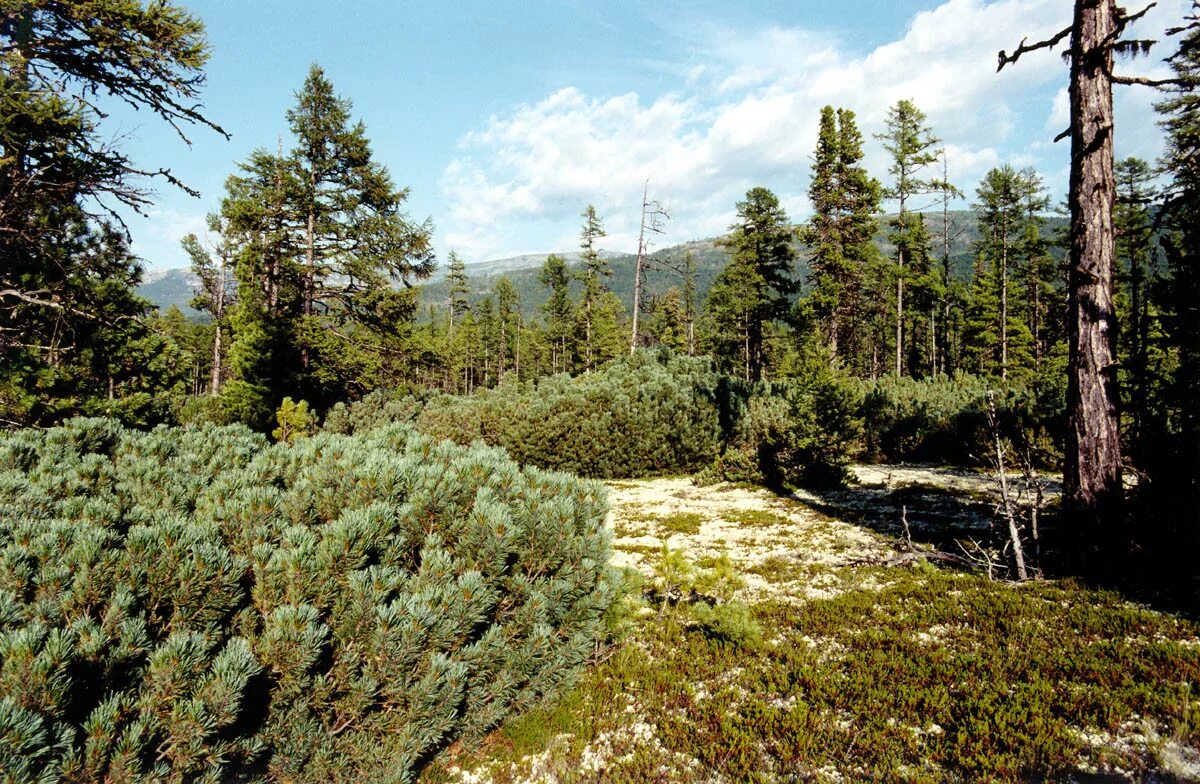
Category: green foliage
<point>943,419</point>
<point>321,240</point>
<point>845,199</point>
<point>787,433</point>
<point>755,288</point>
<point>647,414</point>
<point>73,335</point>
<point>294,421</point>
<point>194,604</point>
<point>923,676</point>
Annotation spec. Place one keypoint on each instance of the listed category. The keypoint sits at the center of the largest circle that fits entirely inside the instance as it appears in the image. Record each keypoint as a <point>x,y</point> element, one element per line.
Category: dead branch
<point>1006,504</point>
<point>1141,80</point>
<point>1022,48</point>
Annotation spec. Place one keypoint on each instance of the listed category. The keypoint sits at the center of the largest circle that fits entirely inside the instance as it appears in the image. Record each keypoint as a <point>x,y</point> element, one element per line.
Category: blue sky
<point>506,118</point>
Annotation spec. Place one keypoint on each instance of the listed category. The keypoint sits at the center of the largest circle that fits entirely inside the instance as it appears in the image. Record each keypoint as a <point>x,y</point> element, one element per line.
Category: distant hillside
<point>176,287</point>
<point>498,267</point>
<point>710,259</point>
<point>165,288</point>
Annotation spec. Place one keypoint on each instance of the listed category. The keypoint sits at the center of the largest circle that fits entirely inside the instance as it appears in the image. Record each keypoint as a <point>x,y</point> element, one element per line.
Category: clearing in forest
<point>845,669</point>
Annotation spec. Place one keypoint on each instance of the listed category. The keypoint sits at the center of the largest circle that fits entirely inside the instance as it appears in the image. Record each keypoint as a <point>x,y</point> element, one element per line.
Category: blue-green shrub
<point>195,604</point>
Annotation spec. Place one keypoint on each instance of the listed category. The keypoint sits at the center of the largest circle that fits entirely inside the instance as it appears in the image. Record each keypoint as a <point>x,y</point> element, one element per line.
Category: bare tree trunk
<point>218,318</point>
<point>1092,466</point>
<point>637,270</point>
<point>1006,500</point>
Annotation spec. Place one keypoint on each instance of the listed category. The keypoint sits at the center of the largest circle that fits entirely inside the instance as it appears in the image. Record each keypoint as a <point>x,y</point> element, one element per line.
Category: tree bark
<point>1092,466</point>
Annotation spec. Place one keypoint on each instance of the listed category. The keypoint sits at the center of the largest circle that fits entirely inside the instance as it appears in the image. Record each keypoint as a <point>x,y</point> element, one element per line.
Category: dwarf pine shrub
<point>944,419</point>
<point>196,604</point>
<point>648,414</point>
<point>787,433</point>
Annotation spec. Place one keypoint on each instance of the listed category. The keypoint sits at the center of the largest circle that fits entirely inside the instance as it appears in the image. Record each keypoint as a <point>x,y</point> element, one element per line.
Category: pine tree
<point>689,300</point>
<point>1131,220</point>
<point>559,312</point>
<point>1040,272</point>
<point>456,276</point>
<point>669,321</point>
<point>595,270</point>
<point>263,356</point>
<point>910,142</point>
<point>213,267</point>
<point>756,285</point>
<point>1093,491</point>
<point>1177,469</point>
<point>326,242</point>
<point>1008,200</point>
<point>355,239</point>
<point>508,316</point>
<point>845,200</point>
<point>67,278</point>
<point>456,308</point>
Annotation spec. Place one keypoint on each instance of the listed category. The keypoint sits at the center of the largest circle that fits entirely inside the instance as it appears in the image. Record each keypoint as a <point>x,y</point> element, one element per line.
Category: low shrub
<point>788,433</point>
<point>376,409</point>
<point>195,604</point>
<point>945,419</point>
<point>649,414</point>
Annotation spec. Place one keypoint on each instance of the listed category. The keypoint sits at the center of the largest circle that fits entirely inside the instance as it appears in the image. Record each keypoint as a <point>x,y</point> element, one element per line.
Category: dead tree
<point>654,218</point>
<point>1092,489</point>
<point>1007,504</point>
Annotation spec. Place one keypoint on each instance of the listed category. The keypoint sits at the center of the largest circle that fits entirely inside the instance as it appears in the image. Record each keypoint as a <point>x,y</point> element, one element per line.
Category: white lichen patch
<point>753,527</point>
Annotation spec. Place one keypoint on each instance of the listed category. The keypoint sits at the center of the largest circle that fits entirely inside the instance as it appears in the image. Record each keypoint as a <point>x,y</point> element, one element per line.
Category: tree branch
<point>1146,82</point>
<point>1022,48</point>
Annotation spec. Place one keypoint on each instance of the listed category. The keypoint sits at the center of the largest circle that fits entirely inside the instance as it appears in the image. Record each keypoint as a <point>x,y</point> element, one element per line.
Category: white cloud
<point>748,115</point>
<point>156,236</point>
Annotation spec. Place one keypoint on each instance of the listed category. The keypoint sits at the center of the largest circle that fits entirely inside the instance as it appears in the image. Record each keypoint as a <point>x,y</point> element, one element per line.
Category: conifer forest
<point>901,486</point>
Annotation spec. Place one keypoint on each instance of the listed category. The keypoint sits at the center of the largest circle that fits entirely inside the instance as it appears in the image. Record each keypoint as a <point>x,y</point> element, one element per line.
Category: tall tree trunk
<point>1092,466</point>
<point>1004,299</point>
<point>900,313</point>
<point>219,318</point>
<point>900,290</point>
<point>637,269</point>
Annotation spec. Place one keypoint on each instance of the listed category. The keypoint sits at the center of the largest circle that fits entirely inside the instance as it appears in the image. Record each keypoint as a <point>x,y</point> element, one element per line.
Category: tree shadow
<point>924,513</point>
<point>939,513</point>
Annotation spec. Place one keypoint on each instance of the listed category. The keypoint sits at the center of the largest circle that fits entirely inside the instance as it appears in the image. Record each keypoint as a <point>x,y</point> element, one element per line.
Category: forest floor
<point>797,639</point>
